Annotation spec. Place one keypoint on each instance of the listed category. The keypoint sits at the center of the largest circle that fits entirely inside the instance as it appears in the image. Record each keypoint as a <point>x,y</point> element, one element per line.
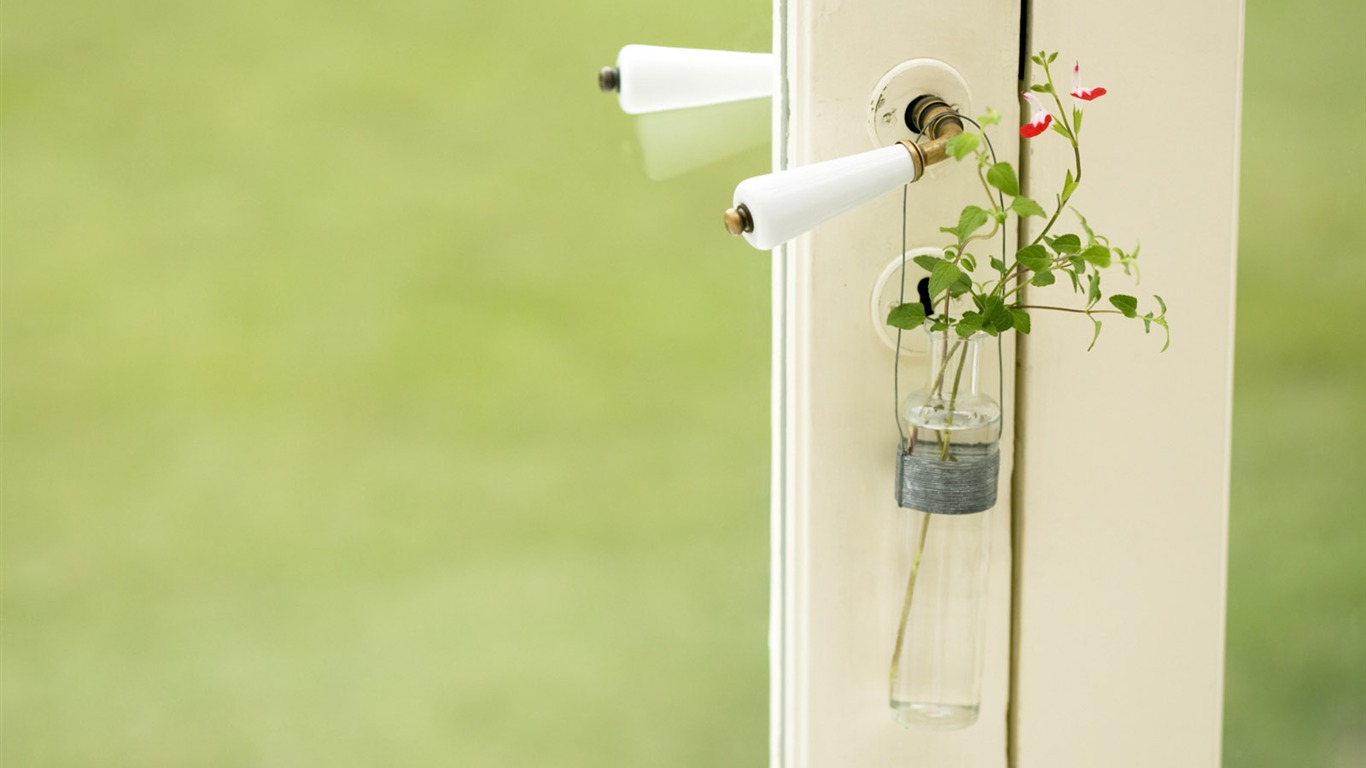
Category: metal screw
<point>609,79</point>
<point>738,220</point>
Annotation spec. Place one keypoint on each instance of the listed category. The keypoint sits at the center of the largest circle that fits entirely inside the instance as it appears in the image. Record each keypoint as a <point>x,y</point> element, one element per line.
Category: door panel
<point>1106,593</point>
<point>835,621</point>
<point>1122,491</point>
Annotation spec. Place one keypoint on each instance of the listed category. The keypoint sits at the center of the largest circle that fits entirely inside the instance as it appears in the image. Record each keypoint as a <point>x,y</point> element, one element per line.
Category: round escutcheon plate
<point>887,294</point>
<point>901,85</point>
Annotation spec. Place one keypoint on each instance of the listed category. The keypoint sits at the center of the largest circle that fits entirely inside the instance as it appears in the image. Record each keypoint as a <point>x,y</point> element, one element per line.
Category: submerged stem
<point>945,446</point>
<point>906,604</point>
<point>937,387</point>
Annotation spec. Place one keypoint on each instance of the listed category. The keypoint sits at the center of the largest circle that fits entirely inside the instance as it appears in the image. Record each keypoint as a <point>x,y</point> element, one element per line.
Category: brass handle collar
<point>934,118</point>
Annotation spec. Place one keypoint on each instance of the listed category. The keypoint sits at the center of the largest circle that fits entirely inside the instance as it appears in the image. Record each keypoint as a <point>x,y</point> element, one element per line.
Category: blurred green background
<point>1296,671</point>
<point>364,403</point>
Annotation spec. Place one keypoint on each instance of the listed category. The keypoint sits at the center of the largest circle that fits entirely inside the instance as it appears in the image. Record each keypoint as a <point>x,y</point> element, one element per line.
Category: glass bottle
<point>948,464</point>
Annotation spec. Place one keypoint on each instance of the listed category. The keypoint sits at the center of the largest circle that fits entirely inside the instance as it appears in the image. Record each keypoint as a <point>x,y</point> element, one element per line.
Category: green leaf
<point>1043,278</point>
<point>1166,330</point>
<point>1076,282</point>
<point>928,263</point>
<point>1041,88</point>
<point>1069,185</point>
<point>998,265</point>
<point>1130,263</point>
<point>1068,243</point>
<point>969,262</point>
<point>1076,120</point>
<point>992,117</point>
<point>962,145</point>
<point>971,323</point>
<point>1098,255</point>
<point>1052,57</point>
<point>908,316</point>
<point>997,314</point>
<point>1097,336</point>
<point>944,275</point>
<point>1022,322</point>
<point>1092,290</point>
<point>1161,303</point>
<point>1126,304</point>
<point>970,220</point>
<point>1060,128</point>
<point>960,286</point>
<point>1037,59</point>
<point>1090,234</point>
<point>1002,177</point>
<point>1034,258</point>
<point>1023,206</point>
<point>998,214</point>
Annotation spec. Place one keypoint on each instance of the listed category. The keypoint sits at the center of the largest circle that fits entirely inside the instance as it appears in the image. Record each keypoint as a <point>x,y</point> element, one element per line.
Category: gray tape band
<point>961,487</point>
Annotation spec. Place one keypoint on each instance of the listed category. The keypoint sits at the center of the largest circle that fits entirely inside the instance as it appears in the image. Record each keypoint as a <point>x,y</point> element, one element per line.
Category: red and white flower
<point>1039,121</point>
<point>1085,94</point>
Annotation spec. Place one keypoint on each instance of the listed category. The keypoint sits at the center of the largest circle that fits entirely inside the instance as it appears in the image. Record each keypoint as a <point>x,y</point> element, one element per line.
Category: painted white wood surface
<point>1122,482</point>
<point>1120,497</point>
<point>837,592</point>
<point>1122,494</point>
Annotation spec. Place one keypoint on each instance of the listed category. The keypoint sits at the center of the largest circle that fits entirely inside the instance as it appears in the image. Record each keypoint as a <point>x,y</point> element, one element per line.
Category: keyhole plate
<point>901,85</point>
<point>887,294</point>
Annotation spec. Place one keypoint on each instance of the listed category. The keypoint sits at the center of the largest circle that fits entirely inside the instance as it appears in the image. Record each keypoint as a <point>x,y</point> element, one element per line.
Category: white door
<point>1104,618</point>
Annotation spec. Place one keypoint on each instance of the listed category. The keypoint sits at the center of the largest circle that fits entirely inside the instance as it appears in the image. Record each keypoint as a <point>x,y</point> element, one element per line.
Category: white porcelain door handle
<point>785,204</point>
<point>652,78</point>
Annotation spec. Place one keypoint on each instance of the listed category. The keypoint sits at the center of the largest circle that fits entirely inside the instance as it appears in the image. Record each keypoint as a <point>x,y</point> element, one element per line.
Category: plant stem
<point>1087,312</point>
<point>995,227</point>
<point>1076,156</point>
<point>940,437</point>
<point>936,386</point>
<point>1062,115</point>
<point>992,200</point>
<point>1019,285</point>
<point>906,604</point>
<point>945,452</point>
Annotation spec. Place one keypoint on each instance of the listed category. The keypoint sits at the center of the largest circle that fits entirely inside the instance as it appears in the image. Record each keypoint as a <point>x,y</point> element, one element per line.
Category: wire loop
<point>1000,356</point>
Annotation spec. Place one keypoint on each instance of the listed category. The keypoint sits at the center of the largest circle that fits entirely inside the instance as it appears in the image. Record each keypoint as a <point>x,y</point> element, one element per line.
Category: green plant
<point>997,303</point>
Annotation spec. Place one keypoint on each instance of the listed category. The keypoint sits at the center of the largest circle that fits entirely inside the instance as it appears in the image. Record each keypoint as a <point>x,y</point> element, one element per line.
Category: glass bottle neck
<point>953,364</point>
